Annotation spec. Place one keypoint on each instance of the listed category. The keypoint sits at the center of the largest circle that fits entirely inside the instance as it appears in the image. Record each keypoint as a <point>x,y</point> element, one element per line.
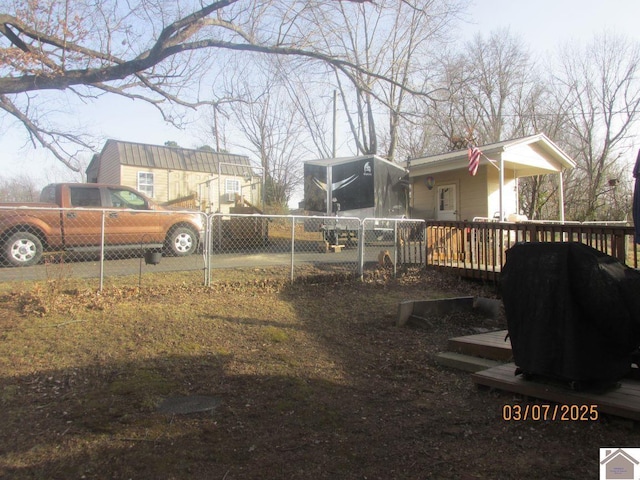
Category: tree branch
<point>38,134</point>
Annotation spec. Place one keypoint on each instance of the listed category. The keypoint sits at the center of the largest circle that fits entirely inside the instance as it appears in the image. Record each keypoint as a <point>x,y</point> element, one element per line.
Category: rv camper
<point>362,187</point>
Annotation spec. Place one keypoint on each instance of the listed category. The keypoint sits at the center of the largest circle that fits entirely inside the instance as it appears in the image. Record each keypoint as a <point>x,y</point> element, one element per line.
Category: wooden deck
<point>477,249</point>
<point>466,270</point>
<point>622,401</point>
<point>491,345</point>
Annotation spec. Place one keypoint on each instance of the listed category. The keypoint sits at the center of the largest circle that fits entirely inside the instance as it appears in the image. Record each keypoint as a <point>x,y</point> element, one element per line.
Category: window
<point>85,197</point>
<point>126,199</point>
<point>145,183</point>
<point>231,185</point>
<point>48,194</point>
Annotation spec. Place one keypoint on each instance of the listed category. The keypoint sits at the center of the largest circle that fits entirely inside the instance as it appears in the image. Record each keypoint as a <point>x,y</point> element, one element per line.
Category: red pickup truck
<point>70,217</point>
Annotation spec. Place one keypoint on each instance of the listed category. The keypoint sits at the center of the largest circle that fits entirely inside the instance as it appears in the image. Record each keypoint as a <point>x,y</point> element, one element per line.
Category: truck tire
<point>182,241</point>
<point>22,249</point>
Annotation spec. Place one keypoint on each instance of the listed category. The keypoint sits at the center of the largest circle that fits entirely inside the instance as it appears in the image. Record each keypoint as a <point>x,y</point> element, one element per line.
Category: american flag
<point>474,159</point>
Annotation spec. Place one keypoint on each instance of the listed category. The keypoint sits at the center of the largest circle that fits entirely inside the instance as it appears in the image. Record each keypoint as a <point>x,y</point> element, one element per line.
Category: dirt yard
<point>308,381</point>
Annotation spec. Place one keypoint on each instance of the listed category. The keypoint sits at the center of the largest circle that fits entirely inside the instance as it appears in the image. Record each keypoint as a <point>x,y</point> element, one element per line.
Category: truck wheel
<point>22,249</point>
<point>182,241</point>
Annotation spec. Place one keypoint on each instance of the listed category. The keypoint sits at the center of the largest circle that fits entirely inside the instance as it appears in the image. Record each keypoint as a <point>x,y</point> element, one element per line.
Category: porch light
<point>429,182</point>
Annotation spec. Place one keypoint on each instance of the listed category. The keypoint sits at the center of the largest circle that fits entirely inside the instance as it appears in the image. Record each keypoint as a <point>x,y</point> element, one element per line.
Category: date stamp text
<point>540,412</point>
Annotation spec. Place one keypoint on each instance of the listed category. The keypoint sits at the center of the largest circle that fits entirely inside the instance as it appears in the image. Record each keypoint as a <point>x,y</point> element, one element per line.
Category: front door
<point>447,208</point>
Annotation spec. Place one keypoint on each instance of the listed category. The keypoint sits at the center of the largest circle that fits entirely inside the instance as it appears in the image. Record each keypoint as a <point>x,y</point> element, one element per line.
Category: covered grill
<point>573,312</point>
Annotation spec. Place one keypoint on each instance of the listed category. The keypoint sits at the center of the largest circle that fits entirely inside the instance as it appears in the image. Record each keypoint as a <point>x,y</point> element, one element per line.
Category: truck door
<point>82,227</point>
<point>129,219</point>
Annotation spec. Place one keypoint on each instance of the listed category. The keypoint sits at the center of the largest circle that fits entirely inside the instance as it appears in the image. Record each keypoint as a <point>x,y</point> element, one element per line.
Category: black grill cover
<point>573,312</point>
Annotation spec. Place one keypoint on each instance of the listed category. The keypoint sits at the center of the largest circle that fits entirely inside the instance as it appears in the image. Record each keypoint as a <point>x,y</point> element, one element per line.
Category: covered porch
<point>443,188</point>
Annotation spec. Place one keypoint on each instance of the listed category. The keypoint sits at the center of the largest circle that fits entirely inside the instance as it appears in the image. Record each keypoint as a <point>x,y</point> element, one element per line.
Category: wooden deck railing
<point>478,249</point>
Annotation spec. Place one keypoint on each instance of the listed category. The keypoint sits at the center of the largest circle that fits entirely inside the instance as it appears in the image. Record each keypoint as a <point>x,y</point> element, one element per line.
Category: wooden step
<point>465,362</point>
<point>623,401</point>
<point>491,345</point>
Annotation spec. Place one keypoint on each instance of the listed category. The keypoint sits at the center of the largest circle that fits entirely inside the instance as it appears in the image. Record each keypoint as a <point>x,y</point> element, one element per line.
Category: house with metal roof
<point>444,189</point>
<point>211,179</point>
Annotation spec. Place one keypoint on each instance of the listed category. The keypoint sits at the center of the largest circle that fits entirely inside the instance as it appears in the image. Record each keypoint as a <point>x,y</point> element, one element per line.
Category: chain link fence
<point>283,245</point>
<point>120,246</point>
<point>394,242</point>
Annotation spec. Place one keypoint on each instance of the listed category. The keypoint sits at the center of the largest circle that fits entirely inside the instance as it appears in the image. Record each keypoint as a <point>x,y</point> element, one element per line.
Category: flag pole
<point>492,162</point>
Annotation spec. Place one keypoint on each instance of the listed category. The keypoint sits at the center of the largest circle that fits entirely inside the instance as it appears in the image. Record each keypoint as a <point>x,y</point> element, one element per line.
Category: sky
<point>543,25</point>
<point>546,24</point>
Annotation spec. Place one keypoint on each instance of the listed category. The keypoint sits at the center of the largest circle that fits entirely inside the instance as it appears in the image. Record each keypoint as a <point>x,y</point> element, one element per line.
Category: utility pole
<point>215,127</point>
<point>335,111</point>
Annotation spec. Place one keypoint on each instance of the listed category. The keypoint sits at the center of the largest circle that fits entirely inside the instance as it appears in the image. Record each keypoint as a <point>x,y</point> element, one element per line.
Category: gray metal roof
<point>178,158</point>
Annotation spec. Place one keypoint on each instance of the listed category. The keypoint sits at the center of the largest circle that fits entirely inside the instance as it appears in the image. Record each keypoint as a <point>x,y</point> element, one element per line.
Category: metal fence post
<point>361,249</point>
<point>102,250</point>
<point>206,250</point>
<point>293,244</point>
<point>395,249</point>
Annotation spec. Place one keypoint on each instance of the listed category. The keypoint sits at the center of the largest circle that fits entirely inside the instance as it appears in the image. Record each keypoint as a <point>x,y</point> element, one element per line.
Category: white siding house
<point>443,188</point>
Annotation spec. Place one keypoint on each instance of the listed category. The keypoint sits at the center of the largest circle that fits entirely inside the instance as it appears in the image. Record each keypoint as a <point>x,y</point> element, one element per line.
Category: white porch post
<point>561,186</point>
<point>501,176</point>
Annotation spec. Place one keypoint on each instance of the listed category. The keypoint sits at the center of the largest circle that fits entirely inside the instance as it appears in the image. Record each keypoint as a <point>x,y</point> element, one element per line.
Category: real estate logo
<point>619,463</point>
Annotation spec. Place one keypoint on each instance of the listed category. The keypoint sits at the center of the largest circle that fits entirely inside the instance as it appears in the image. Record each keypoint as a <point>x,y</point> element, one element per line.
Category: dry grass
<point>315,381</point>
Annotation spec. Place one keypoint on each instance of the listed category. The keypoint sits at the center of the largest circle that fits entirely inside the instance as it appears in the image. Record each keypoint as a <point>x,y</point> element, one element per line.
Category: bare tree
<point>149,50</point>
<point>314,103</point>
<point>486,89</point>
<point>271,125</point>
<point>600,85</point>
<point>450,116</point>
<point>392,45</point>
<point>22,188</point>
<point>539,111</point>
